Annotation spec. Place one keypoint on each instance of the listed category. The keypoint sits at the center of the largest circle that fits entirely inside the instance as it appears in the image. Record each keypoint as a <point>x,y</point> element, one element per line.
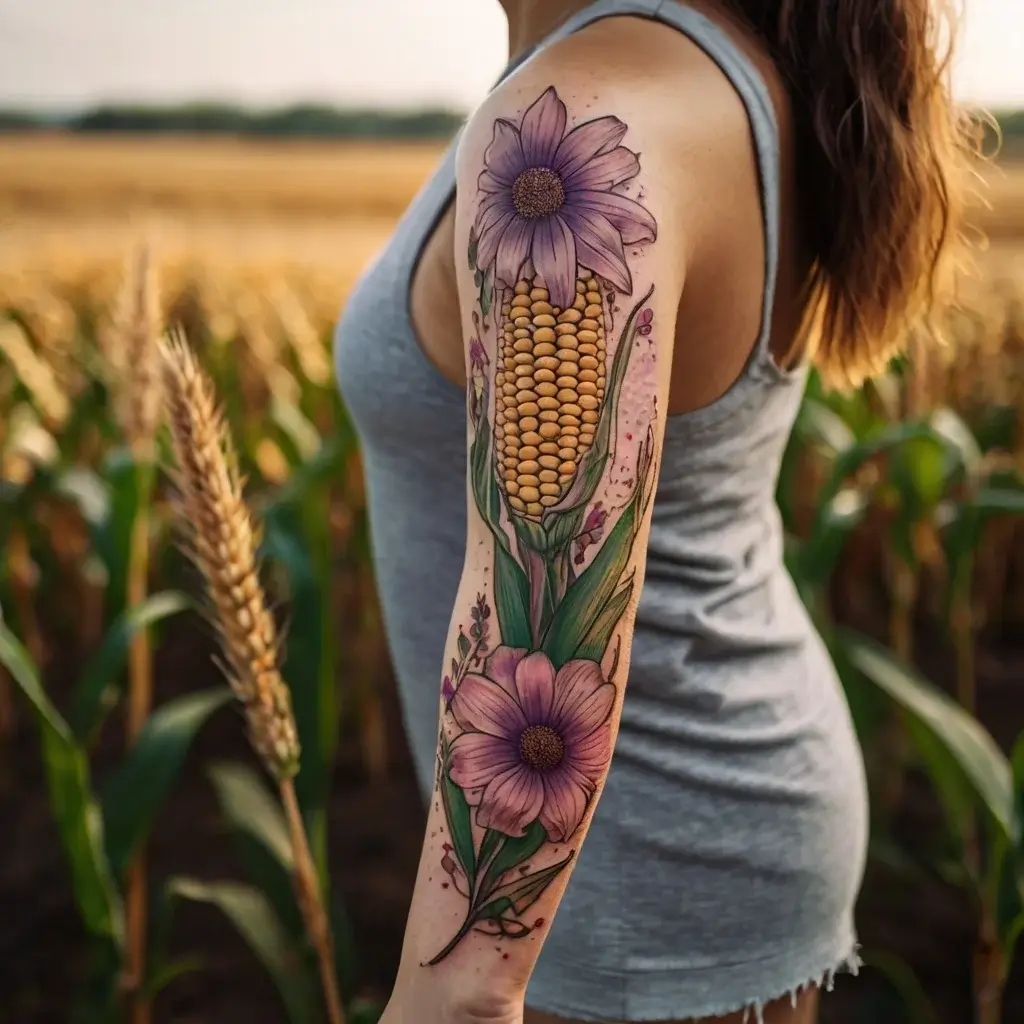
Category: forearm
<point>507,816</point>
<point>536,662</point>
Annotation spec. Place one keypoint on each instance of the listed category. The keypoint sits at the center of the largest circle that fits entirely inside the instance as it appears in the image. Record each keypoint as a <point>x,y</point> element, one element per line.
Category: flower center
<point>537,192</point>
<point>541,747</point>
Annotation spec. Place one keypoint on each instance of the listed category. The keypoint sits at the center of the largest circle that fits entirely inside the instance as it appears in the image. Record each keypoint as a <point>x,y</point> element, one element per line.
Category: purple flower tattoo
<point>549,196</point>
<point>536,743</point>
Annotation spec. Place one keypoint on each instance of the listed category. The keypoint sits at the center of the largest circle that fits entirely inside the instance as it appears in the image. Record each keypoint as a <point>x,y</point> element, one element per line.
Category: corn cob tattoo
<point>549,384</point>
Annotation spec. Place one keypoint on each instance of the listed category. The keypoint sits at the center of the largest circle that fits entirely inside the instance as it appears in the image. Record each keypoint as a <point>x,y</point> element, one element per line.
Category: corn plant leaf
<point>511,589</point>
<point>959,438</point>
<point>521,893</point>
<point>817,423</point>
<point>457,815</point>
<point>282,957</point>
<point>515,850</point>
<point>100,685</point>
<point>848,461</point>
<point>296,540</point>
<point>964,523</point>
<point>260,833</point>
<point>89,492</point>
<point>79,822</point>
<point>247,804</point>
<point>904,982</point>
<point>168,972</point>
<point>812,561</point>
<point>1010,888</point>
<point>130,484</point>
<point>595,643</point>
<point>919,467</point>
<point>1006,883</point>
<point>346,955</point>
<point>133,794</point>
<point>960,753</point>
<point>587,596</point>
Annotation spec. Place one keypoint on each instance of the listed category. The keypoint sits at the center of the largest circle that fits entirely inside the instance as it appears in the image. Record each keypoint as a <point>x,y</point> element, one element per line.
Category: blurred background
<point>232,167</point>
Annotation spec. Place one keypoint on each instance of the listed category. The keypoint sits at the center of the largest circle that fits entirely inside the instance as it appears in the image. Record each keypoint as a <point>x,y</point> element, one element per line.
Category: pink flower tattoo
<point>537,741</point>
<point>548,196</point>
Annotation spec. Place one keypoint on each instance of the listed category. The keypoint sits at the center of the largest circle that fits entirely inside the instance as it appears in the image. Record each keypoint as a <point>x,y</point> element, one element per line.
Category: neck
<point>529,21</point>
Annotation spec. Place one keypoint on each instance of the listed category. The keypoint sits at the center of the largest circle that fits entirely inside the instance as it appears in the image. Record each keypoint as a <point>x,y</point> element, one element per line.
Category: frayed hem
<point>582,993</point>
<point>753,1011</point>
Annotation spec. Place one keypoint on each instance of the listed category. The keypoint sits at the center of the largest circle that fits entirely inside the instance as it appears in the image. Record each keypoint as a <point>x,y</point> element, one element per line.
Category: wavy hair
<point>885,167</point>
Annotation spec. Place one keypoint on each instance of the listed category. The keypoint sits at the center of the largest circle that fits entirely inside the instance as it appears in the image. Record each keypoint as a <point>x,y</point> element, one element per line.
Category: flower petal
<point>511,801</point>
<point>489,238</point>
<point>475,758</point>
<point>554,255</point>
<point>494,201</point>
<point>599,246</point>
<point>473,796</point>
<point>479,704</point>
<point>566,795</point>
<point>487,182</point>
<point>583,700</point>
<point>591,754</point>
<point>513,249</point>
<point>604,171</point>
<point>542,129</point>
<point>586,141</point>
<point>501,666</point>
<point>535,684</point>
<point>627,216</point>
<point>504,156</point>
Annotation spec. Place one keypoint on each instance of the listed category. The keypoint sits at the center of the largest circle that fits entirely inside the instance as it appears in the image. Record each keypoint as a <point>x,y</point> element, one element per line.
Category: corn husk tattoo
<point>561,474</point>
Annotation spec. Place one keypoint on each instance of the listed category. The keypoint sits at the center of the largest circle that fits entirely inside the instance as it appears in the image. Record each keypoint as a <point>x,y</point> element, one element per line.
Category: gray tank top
<point>717,601</point>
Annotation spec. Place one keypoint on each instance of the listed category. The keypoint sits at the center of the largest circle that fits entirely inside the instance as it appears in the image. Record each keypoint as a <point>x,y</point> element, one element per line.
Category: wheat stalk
<point>132,344</point>
<point>221,541</point>
<point>132,341</point>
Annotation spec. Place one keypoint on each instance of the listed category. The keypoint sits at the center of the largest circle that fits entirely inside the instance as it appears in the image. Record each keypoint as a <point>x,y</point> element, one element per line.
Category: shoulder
<point>665,100</point>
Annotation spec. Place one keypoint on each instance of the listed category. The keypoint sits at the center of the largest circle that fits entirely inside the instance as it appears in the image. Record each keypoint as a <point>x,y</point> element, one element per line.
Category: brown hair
<point>884,162</point>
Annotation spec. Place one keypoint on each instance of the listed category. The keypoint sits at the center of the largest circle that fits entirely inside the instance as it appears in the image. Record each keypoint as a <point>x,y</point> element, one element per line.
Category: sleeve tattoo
<point>562,408</point>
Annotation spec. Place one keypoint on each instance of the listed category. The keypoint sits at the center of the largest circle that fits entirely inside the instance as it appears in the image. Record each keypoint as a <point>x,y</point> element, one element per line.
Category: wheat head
<point>221,542</point>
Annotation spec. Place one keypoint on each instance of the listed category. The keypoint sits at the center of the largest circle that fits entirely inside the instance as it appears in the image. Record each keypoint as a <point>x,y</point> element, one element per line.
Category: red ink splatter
<point>504,956</point>
<point>629,437</point>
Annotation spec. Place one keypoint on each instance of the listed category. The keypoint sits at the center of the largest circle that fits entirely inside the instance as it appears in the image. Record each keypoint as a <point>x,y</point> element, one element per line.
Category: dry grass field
<point>223,208</point>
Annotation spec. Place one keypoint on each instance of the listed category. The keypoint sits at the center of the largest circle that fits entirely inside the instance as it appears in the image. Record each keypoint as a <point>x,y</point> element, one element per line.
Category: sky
<point>65,54</point>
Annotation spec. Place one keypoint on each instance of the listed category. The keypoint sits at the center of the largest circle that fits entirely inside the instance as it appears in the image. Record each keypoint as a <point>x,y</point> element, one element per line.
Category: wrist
<point>424,996</point>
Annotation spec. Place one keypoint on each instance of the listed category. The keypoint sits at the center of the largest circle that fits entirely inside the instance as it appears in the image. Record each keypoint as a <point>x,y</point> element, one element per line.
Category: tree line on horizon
<point>305,120</point>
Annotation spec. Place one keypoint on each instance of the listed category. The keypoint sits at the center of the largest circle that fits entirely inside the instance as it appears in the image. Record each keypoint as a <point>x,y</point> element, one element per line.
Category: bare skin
<point>709,253</point>
<point>781,1011</point>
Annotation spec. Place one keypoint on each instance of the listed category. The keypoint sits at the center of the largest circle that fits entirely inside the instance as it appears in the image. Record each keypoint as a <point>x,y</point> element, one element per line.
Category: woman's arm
<point>568,295</point>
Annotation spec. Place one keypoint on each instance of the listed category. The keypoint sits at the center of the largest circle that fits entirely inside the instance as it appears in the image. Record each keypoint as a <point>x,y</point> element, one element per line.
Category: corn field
<point>903,505</point>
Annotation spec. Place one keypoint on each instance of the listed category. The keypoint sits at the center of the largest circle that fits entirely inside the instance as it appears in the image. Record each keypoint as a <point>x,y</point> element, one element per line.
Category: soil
<point>375,833</point>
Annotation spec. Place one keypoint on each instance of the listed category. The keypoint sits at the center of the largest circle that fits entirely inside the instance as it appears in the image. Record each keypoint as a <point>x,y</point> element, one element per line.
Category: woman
<point>574,371</point>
